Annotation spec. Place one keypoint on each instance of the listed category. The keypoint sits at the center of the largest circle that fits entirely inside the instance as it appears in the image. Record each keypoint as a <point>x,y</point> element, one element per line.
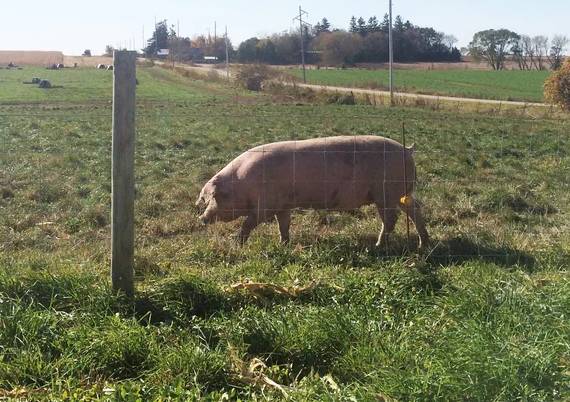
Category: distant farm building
<point>30,58</point>
<point>162,53</point>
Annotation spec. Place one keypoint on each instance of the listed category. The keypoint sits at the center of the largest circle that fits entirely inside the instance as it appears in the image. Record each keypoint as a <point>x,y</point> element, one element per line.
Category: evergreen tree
<point>398,24</point>
<point>385,23</point>
<point>159,39</point>
<point>361,26</point>
<point>352,27</point>
<point>373,25</point>
<point>322,26</point>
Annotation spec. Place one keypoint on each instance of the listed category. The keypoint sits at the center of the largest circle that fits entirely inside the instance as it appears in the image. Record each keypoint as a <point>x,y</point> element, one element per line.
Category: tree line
<point>496,46</point>
<point>365,41</point>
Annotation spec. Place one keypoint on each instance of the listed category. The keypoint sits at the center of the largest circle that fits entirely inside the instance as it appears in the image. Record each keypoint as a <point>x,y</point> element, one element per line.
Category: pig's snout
<point>203,220</point>
<point>209,214</point>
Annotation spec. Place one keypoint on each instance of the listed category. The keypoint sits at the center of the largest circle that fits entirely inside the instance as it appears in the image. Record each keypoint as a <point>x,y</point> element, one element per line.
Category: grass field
<point>483,317</point>
<point>499,85</point>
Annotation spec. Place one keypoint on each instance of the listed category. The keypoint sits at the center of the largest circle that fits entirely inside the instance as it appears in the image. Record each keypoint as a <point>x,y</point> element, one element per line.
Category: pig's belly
<point>331,195</point>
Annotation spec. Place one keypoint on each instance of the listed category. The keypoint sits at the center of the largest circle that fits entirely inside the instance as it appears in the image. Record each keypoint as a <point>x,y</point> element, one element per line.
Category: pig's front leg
<point>249,224</point>
<point>284,220</point>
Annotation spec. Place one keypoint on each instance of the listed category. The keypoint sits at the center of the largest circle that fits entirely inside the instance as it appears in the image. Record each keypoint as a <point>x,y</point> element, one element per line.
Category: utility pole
<point>227,55</point>
<point>391,51</point>
<point>302,28</point>
<point>215,33</point>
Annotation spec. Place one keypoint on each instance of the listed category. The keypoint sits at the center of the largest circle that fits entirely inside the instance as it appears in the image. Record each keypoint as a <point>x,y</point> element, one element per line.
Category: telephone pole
<point>227,55</point>
<point>391,51</point>
<point>302,26</point>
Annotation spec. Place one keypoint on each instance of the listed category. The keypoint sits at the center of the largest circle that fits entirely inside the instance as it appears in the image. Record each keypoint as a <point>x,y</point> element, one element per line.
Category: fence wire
<point>482,184</point>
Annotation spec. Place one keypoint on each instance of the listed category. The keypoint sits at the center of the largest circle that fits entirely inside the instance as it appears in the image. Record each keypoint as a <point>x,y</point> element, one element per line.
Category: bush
<point>557,87</point>
<point>252,76</point>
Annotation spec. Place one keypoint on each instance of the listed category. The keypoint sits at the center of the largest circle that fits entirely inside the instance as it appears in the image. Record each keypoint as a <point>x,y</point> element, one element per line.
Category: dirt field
<point>86,61</point>
<point>30,58</point>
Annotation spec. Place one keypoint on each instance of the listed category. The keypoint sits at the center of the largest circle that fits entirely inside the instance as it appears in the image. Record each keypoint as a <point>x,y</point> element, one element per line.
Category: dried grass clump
<point>252,76</point>
<point>557,87</point>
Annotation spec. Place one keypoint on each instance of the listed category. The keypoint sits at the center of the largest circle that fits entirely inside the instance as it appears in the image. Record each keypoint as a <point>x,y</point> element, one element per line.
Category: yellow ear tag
<point>406,201</point>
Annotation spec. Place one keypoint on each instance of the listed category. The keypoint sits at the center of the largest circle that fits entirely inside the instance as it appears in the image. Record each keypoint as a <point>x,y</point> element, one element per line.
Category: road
<point>204,69</point>
<point>407,95</point>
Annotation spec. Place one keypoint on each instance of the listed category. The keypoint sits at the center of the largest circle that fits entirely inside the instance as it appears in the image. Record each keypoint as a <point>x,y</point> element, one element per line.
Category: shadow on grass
<point>458,250</point>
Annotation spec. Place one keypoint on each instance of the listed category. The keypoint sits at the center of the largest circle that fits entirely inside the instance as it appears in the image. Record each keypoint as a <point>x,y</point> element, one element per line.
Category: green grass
<point>499,85</point>
<point>483,317</point>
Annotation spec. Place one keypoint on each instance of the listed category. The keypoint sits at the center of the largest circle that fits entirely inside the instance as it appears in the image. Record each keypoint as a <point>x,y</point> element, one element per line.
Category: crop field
<point>482,316</point>
<point>526,86</point>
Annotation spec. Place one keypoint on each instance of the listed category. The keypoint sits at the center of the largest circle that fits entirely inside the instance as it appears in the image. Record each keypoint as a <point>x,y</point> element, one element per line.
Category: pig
<point>335,173</point>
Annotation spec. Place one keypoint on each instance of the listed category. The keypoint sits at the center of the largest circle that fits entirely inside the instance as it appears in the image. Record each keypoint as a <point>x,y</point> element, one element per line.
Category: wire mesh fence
<point>491,186</point>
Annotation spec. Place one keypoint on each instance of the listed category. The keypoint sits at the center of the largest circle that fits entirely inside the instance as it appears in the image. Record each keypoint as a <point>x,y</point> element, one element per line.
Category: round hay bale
<point>109,68</point>
<point>45,84</point>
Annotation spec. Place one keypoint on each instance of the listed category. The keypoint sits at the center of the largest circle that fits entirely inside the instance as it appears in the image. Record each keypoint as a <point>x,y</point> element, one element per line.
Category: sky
<point>72,26</point>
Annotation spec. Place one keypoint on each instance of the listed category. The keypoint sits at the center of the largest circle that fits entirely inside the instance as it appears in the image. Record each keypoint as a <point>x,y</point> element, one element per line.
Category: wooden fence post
<point>123,179</point>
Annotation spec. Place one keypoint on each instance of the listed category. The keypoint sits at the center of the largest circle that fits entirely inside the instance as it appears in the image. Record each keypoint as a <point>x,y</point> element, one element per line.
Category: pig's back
<point>326,173</point>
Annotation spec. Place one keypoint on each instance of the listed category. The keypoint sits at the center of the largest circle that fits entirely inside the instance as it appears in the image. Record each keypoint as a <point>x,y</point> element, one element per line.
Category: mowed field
<point>482,316</point>
<point>526,86</point>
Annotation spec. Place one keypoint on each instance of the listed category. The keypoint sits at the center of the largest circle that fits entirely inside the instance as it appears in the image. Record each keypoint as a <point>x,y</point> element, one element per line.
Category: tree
<point>352,28</point>
<point>182,49</point>
<point>449,40</point>
<point>398,24</point>
<point>385,25</point>
<point>493,46</point>
<point>374,48</point>
<point>373,25</point>
<point>288,48</point>
<point>361,26</point>
<point>518,54</point>
<point>87,53</point>
<point>540,44</point>
<point>557,48</point>
<point>557,87</point>
<point>339,47</point>
<point>325,25</point>
<point>266,52</point>
<point>247,50</point>
<point>109,50</point>
<point>159,39</point>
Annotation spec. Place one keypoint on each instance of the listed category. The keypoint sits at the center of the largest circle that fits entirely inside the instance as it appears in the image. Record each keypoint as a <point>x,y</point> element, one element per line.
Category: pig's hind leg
<point>414,210</point>
<point>389,216</point>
